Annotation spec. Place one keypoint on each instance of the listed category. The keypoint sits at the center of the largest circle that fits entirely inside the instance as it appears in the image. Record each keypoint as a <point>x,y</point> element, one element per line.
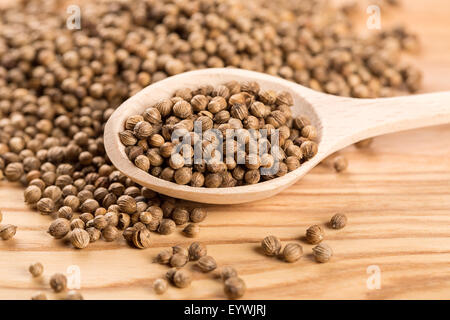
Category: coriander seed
<point>110,233</point>
<point>198,214</point>
<point>59,228</point>
<point>182,279</point>
<point>206,264</point>
<point>7,231</point>
<point>292,252</point>
<point>178,260</point>
<point>166,226</point>
<point>340,163</point>
<point>314,234</point>
<point>227,272</point>
<point>271,246</point>
<point>164,257</point>
<point>160,286</point>
<point>58,282</point>
<point>196,251</point>
<point>79,238</point>
<point>141,238</point>
<point>322,252</point>
<point>234,287</point>
<point>36,269</point>
<point>338,221</point>
<point>191,230</point>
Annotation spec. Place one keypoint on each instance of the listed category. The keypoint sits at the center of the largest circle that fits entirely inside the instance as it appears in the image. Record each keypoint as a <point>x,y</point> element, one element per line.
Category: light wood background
<point>396,196</point>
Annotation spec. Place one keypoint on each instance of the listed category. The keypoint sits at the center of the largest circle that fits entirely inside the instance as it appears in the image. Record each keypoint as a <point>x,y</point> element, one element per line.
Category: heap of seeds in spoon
<point>224,136</point>
<point>58,86</point>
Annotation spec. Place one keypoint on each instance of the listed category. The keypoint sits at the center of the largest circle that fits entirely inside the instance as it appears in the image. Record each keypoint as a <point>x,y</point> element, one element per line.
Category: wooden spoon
<point>340,121</point>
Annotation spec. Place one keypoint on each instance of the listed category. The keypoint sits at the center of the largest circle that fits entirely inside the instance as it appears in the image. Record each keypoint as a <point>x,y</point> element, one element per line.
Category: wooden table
<point>396,196</point>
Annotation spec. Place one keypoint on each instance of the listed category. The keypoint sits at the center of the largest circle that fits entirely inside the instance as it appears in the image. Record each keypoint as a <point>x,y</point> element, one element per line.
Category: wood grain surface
<point>396,196</point>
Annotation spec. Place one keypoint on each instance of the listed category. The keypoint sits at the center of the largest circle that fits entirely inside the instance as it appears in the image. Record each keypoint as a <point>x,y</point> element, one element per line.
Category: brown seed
<point>198,214</point>
<point>58,282</point>
<point>59,228</point>
<point>110,233</point>
<point>292,252</point>
<point>94,234</point>
<point>206,264</point>
<point>191,230</point>
<point>167,226</point>
<point>77,223</point>
<point>32,194</point>
<point>36,269</point>
<point>160,286</point>
<point>170,273</point>
<point>227,272</point>
<point>271,246</point>
<point>322,252</point>
<point>100,222</point>
<point>7,231</point>
<point>79,238</point>
<point>142,162</point>
<point>196,251</point>
<point>234,287</point>
<point>126,204</point>
<point>180,216</point>
<point>338,221</point>
<point>340,163</point>
<point>143,130</point>
<point>65,212</point>
<point>164,257</point>
<point>45,206</point>
<point>180,249</point>
<point>14,171</point>
<point>182,279</point>
<point>141,238</point>
<point>178,260</point>
<point>314,234</point>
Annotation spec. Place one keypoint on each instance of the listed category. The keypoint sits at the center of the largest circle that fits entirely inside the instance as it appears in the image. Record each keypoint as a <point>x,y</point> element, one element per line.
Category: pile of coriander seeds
<point>255,130</point>
<point>58,87</point>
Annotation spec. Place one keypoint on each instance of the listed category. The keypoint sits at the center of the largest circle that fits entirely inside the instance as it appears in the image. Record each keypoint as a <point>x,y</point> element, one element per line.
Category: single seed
<point>314,234</point>
<point>340,163</point>
<point>182,279</point>
<point>141,238</point>
<point>36,269</point>
<point>178,260</point>
<point>206,264</point>
<point>322,252</point>
<point>166,226</point>
<point>338,221</point>
<point>271,246</point>
<point>58,282</point>
<point>234,287</point>
<point>160,286</point>
<point>191,230</point>
<point>164,257</point>
<point>198,214</point>
<point>227,272</point>
<point>7,231</point>
<point>79,238</point>
<point>59,228</point>
<point>292,252</point>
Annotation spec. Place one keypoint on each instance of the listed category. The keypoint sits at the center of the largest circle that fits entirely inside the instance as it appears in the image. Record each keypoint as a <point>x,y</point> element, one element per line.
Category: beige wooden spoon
<point>340,121</point>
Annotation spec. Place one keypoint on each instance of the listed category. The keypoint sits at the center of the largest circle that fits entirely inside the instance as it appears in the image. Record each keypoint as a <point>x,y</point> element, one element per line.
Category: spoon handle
<point>350,120</point>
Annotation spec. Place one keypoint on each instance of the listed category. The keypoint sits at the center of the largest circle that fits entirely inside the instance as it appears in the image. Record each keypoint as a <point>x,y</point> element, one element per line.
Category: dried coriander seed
<point>7,231</point>
<point>314,234</point>
<point>141,238</point>
<point>94,234</point>
<point>164,257</point>
<point>227,272</point>
<point>191,230</point>
<point>58,282</point>
<point>79,238</point>
<point>206,264</point>
<point>322,252</point>
<point>292,252</point>
<point>198,214</point>
<point>340,163</point>
<point>178,260</point>
<point>338,221</point>
<point>196,251</point>
<point>160,286</point>
<point>110,233</point>
<point>32,194</point>
<point>166,226</point>
<point>182,279</point>
<point>36,269</point>
<point>271,246</point>
<point>59,228</point>
<point>234,287</point>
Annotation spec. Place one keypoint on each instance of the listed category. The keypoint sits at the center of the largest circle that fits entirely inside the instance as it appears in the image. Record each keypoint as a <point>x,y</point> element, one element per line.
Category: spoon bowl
<point>340,121</point>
